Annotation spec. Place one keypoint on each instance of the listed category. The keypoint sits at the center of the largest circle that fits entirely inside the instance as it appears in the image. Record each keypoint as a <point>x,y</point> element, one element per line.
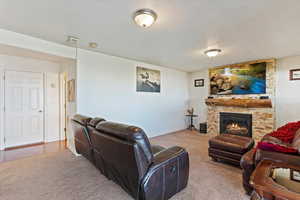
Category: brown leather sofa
<point>124,155</point>
<point>251,159</point>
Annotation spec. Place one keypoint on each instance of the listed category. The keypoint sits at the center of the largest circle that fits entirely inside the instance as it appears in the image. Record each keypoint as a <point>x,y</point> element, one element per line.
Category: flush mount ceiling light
<point>213,52</point>
<point>144,17</point>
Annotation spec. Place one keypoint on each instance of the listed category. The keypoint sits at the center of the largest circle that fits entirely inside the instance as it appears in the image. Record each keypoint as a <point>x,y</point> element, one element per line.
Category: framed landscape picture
<point>244,78</point>
<point>294,74</point>
<point>147,80</point>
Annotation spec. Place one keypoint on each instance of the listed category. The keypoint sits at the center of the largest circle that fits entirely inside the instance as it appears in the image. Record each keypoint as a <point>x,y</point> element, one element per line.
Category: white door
<point>24,119</point>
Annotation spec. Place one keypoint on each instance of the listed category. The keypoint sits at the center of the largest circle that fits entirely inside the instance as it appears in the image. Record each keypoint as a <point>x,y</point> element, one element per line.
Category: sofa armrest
<point>166,155</point>
<point>156,149</point>
<point>167,175</point>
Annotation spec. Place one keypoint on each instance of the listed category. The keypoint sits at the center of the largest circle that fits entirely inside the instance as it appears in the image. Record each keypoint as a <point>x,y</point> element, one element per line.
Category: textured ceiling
<point>243,29</point>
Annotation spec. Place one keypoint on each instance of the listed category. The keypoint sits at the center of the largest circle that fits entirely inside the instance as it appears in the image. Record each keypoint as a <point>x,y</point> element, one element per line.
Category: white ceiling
<point>243,29</point>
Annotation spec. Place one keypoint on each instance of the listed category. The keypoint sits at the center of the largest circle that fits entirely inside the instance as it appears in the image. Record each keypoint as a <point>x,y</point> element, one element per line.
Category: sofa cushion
<point>273,146</point>
<point>93,122</point>
<point>268,138</point>
<point>81,119</point>
<point>287,132</point>
<point>232,143</point>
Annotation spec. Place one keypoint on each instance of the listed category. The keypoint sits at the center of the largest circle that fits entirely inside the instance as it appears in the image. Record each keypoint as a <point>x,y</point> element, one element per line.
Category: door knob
<point>40,111</point>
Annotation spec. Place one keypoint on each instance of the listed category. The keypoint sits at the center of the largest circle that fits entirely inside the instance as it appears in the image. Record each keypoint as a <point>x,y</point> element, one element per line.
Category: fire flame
<point>234,125</point>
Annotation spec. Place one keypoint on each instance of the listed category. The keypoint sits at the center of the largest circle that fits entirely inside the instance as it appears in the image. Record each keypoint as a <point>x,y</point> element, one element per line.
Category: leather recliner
<point>82,139</point>
<point>124,155</point>
<point>252,158</point>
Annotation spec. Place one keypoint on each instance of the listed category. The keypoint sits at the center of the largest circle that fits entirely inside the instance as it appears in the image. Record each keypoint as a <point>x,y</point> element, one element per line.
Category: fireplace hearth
<point>236,124</point>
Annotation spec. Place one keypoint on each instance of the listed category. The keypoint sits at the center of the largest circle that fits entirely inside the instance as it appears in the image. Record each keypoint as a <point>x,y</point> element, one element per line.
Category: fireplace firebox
<point>236,124</point>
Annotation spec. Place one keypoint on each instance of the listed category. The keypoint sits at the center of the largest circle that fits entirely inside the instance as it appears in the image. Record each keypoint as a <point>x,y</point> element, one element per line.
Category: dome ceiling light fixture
<point>213,52</point>
<point>144,17</point>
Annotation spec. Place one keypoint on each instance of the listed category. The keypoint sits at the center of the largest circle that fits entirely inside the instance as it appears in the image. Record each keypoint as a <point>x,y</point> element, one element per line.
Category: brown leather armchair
<point>251,159</point>
<point>124,155</point>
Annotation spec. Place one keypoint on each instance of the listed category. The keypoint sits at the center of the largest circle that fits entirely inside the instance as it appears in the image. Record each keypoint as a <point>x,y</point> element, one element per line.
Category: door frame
<point>63,105</point>
<point>62,113</point>
<point>3,147</point>
<point>2,108</point>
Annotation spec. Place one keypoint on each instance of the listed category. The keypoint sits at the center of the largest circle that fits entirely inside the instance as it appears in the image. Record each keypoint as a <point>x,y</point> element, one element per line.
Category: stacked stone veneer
<point>263,119</point>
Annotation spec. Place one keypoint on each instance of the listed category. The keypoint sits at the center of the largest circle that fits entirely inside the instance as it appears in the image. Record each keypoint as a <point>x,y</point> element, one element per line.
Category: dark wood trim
<point>244,103</point>
<point>24,146</point>
<point>291,74</point>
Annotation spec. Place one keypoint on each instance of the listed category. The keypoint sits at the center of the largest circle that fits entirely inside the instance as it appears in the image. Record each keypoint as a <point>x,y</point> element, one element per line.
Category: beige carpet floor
<point>63,176</point>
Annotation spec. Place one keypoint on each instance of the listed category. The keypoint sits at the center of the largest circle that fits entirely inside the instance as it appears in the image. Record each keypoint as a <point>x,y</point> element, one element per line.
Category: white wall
<point>109,85</point>
<point>52,108</point>
<point>1,108</point>
<point>107,88</point>
<point>287,92</point>
<point>28,64</point>
<point>198,96</point>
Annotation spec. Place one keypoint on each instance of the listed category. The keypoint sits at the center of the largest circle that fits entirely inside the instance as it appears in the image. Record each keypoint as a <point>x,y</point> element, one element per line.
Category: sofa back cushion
<point>123,153</point>
<point>95,121</point>
<point>81,136</point>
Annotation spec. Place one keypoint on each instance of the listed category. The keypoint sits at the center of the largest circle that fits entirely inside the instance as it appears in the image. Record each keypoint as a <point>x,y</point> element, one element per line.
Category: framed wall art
<point>71,90</point>
<point>199,83</point>
<point>147,80</point>
<point>294,74</point>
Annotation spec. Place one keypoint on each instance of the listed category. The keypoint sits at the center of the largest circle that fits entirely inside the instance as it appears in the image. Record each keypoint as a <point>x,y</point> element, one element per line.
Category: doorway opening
<point>33,104</point>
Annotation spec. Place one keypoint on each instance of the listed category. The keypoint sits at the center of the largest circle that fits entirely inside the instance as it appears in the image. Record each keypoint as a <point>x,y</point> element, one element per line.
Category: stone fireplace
<point>236,124</point>
<point>262,111</point>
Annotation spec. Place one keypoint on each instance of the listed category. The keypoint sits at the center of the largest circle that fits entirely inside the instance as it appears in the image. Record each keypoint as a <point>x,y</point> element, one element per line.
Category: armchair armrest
<point>167,175</point>
<point>248,166</point>
<point>277,157</point>
<point>247,161</point>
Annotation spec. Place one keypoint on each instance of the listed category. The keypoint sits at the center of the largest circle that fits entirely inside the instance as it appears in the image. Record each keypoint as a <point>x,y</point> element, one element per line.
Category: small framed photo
<point>71,90</point>
<point>199,82</point>
<point>295,175</point>
<point>294,74</point>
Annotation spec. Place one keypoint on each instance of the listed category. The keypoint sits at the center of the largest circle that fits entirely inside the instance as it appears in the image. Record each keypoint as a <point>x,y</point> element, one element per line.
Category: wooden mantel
<point>244,103</point>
